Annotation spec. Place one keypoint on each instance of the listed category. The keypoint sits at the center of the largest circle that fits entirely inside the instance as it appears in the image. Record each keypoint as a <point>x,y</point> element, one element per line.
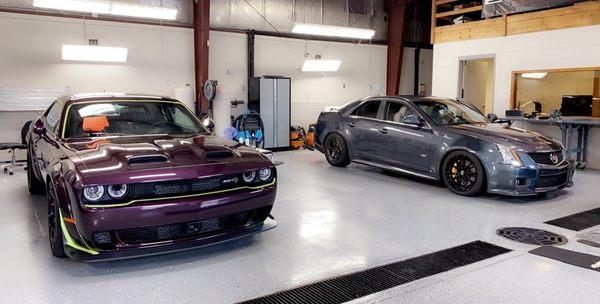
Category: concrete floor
<point>331,221</point>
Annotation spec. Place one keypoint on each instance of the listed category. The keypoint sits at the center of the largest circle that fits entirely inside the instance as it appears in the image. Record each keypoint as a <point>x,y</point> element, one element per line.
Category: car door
<point>401,144</point>
<point>362,125</point>
<point>46,146</point>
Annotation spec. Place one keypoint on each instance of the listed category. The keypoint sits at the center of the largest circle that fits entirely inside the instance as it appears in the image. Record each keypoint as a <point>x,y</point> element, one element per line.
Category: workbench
<point>568,125</point>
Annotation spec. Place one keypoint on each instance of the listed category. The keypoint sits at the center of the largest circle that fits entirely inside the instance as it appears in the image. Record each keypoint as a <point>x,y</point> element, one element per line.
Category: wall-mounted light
<point>318,65</point>
<point>534,75</point>
<point>93,53</point>
<point>109,8</point>
<point>332,31</point>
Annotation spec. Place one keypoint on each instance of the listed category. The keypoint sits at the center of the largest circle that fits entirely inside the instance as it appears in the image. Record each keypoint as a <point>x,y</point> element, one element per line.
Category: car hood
<point>119,154</point>
<point>504,135</point>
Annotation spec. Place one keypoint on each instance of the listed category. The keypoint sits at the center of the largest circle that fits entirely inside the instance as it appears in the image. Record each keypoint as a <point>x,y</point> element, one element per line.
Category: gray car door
<point>362,125</point>
<point>402,144</point>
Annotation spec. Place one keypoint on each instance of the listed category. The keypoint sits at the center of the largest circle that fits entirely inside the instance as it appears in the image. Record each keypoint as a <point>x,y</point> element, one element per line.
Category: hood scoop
<point>218,154</point>
<point>145,159</point>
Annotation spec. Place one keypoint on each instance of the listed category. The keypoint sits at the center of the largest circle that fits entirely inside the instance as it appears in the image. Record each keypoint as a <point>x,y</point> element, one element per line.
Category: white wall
<point>361,74</point>
<point>160,59</point>
<point>567,48</point>
<point>408,70</point>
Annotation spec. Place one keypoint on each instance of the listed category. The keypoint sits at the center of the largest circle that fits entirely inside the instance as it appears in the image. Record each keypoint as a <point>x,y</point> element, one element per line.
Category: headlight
<point>509,156</point>
<point>93,193</point>
<point>117,191</point>
<point>249,176</point>
<point>264,174</point>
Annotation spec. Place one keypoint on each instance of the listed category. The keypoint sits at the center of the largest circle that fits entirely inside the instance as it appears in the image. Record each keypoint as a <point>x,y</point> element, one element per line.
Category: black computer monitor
<point>576,105</point>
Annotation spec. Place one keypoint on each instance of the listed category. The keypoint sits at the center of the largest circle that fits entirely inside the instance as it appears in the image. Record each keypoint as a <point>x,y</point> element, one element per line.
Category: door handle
<point>351,124</point>
<point>383,131</point>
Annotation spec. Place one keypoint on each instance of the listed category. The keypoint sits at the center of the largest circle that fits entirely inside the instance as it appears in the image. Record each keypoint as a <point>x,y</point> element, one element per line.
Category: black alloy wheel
<point>463,173</point>
<point>336,151</point>
<point>54,229</point>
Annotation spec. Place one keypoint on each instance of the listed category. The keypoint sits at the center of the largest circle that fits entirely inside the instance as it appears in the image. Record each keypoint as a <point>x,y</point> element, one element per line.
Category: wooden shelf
<point>460,11</point>
<point>441,2</point>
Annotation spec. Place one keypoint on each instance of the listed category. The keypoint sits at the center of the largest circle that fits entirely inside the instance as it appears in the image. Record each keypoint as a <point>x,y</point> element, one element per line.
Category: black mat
<point>359,284</point>
<point>574,258</point>
<point>578,221</point>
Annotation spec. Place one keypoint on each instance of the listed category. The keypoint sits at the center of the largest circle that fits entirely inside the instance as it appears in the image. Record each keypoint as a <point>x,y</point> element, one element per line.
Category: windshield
<point>129,118</point>
<point>447,112</point>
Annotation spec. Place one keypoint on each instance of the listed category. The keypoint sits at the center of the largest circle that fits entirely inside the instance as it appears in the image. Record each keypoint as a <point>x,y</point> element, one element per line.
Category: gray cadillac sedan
<point>443,139</point>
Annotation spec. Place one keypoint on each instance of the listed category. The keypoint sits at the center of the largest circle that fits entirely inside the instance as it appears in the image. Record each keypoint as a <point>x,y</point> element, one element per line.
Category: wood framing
<point>579,14</point>
<point>515,76</point>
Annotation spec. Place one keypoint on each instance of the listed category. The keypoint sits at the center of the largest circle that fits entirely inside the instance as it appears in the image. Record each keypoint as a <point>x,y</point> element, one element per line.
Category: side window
<point>396,112</point>
<point>53,117</point>
<point>368,110</point>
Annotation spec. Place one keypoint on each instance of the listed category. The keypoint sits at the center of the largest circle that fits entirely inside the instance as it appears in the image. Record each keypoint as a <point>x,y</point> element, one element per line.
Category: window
<point>448,112</point>
<point>53,117</point>
<point>572,92</point>
<point>396,112</point>
<point>368,109</point>
<point>132,118</point>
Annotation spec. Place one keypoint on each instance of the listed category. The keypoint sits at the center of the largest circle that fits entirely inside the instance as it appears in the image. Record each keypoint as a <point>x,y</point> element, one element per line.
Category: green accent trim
<point>182,196</point>
<point>70,241</point>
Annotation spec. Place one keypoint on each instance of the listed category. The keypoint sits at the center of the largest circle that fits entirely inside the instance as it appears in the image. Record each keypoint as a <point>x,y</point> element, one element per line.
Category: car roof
<point>110,96</point>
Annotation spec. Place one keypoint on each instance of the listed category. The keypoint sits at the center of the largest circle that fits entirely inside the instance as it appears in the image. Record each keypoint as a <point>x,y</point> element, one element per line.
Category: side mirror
<point>38,127</point>
<point>492,117</point>
<point>413,120</point>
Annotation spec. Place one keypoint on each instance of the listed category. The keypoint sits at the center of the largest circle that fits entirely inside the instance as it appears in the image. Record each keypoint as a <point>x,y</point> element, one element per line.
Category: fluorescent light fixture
<point>109,8</point>
<point>93,53</point>
<point>142,11</point>
<point>332,31</point>
<point>319,65</point>
<point>534,75</point>
<point>74,5</point>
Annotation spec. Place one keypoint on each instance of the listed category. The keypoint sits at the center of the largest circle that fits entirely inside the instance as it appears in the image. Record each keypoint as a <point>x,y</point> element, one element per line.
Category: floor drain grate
<point>532,236</point>
<point>359,284</point>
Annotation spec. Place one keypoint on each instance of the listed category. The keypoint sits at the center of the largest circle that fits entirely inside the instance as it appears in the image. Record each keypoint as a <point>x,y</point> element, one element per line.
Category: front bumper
<point>200,242</point>
<point>532,180</point>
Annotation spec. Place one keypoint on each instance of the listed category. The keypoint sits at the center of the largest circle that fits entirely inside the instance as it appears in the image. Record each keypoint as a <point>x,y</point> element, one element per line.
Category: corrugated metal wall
<point>281,15</point>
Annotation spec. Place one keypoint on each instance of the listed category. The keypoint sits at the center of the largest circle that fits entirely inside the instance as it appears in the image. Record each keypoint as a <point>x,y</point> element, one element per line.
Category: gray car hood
<point>504,135</point>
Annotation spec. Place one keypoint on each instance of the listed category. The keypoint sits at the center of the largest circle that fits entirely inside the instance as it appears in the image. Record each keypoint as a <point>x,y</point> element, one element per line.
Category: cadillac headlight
<point>509,156</point>
<point>93,193</point>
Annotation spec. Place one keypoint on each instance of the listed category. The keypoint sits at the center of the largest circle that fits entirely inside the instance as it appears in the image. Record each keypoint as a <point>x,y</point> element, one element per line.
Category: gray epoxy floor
<point>331,221</point>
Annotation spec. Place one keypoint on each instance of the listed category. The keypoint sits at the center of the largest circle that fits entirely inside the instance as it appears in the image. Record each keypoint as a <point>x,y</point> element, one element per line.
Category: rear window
<point>368,110</point>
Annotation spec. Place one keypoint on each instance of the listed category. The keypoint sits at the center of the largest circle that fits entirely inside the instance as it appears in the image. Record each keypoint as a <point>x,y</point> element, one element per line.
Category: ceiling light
<point>332,31</point>
<point>321,65</point>
<point>93,53</point>
<point>109,8</point>
<point>142,11</point>
<point>534,75</point>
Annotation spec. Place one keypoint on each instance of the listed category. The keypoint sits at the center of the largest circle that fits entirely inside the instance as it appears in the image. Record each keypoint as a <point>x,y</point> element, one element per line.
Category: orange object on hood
<point>95,123</point>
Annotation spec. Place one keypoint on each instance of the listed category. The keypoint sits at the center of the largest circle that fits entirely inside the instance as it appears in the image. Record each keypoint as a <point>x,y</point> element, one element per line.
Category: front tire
<point>55,236</point>
<point>463,173</point>
<point>336,151</point>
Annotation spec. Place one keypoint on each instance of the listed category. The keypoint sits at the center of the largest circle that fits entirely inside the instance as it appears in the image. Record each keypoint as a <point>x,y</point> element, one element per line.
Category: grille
<point>532,236</point>
<point>553,180</point>
<point>182,230</point>
<point>359,284</point>
<point>544,157</point>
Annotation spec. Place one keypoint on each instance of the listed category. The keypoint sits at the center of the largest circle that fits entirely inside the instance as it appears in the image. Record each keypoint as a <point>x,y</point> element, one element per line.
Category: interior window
<point>396,112</point>
<point>53,117</point>
<point>368,110</point>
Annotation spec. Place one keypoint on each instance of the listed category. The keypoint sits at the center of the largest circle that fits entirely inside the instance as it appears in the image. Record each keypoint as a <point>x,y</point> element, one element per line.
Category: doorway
<point>476,83</point>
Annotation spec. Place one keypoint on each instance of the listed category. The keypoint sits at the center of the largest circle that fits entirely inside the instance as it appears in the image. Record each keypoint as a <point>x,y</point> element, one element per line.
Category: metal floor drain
<point>532,236</point>
<point>359,284</point>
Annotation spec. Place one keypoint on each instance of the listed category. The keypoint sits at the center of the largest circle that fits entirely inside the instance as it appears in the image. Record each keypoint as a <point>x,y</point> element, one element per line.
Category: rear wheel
<point>55,235</point>
<point>336,151</point>
<point>34,185</point>
<point>463,173</point>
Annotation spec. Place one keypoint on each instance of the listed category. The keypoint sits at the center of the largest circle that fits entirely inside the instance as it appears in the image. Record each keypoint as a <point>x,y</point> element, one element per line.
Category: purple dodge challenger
<point>134,175</point>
